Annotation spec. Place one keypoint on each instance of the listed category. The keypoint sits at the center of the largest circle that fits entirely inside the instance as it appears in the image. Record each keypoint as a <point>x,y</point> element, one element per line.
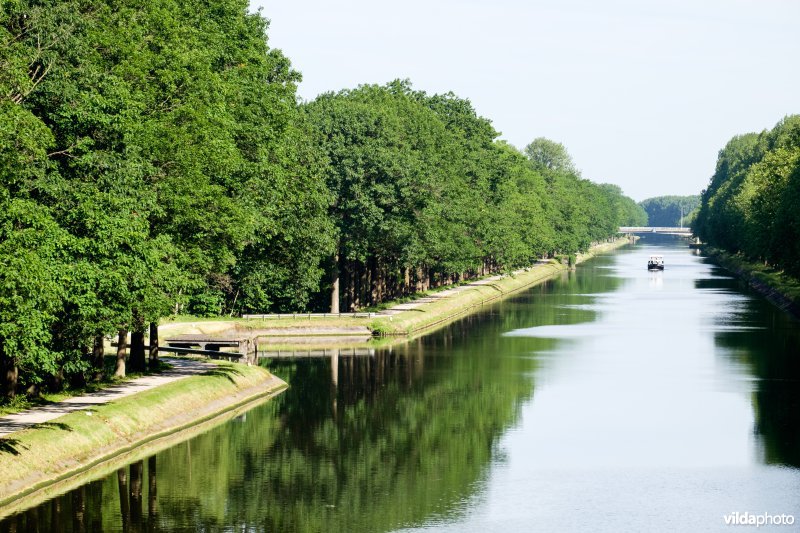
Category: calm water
<point>611,399</point>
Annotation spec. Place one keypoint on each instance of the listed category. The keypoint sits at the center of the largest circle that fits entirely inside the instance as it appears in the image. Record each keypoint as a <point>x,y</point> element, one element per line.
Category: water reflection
<point>604,391</point>
<point>766,341</point>
<point>114,503</point>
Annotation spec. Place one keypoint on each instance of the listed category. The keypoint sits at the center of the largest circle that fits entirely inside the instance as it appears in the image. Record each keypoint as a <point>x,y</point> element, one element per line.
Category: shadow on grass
<point>53,425</point>
<point>494,286</point>
<point>9,446</point>
<point>12,446</point>
<point>226,371</point>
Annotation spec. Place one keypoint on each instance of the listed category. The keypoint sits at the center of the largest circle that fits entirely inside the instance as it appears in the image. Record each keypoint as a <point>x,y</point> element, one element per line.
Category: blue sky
<point>642,93</point>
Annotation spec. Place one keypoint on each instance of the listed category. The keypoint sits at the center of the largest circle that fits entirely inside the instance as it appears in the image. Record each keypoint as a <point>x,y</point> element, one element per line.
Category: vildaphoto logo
<point>765,519</point>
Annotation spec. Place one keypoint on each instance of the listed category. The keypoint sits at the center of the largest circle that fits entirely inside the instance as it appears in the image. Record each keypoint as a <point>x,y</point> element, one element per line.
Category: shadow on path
<point>40,417</point>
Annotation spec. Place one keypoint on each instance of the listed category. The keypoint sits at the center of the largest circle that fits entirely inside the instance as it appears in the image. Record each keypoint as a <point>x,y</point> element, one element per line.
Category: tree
<point>550,155</point>
<point>666,211</point>
<point>751,204</point>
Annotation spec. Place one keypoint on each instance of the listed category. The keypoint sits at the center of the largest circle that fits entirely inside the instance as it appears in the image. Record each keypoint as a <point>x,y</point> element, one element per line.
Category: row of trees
<point>752,205</point>
<point>425,195</point>
<point>154,160</point>
<point>671,211</point>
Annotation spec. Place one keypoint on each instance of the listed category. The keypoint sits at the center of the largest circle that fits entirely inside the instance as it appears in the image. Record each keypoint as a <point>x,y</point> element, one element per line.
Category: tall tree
<point>550,155</point>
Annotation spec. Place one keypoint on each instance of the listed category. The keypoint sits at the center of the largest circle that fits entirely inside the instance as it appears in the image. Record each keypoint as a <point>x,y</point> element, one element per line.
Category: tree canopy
<point>154,160</point>
<point>666,211</point>
<point>751,203</point>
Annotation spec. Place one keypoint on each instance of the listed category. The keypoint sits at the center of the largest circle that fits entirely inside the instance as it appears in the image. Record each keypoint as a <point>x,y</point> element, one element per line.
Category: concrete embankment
<point>55,456</point>
<point>402,319</point>
<point>780,289</point>
<point>444,306</point>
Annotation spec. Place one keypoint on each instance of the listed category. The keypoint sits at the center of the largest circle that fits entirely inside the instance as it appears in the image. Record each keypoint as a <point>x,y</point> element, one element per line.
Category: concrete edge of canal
<point>777,287</point>
<point>38,464</point>
<point>421,316</point>
<point>429,316</point>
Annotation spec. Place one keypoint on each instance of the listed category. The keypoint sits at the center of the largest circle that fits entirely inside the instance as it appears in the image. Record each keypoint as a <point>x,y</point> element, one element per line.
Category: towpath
<point>181,368</point>
<point>447,293</point>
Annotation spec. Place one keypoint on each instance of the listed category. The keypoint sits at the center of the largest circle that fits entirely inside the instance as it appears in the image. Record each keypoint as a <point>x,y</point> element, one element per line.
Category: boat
<point>656,262</point>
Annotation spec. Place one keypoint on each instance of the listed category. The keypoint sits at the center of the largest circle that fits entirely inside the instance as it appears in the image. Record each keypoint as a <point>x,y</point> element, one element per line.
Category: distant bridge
<point>648,229</point>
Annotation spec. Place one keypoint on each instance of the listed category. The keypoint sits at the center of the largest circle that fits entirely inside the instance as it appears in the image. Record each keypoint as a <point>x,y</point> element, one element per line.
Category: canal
<point>609,399</point>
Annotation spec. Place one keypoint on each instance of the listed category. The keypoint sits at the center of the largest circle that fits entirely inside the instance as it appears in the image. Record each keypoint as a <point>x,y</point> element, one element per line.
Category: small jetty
<point>209,345</point>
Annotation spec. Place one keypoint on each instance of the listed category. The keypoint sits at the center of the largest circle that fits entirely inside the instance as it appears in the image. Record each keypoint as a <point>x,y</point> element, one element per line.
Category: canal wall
<point>429,311</point>
<point>605,247</point>
<point>443,310</point>
<point>37,464</point>
<point>781,290</point>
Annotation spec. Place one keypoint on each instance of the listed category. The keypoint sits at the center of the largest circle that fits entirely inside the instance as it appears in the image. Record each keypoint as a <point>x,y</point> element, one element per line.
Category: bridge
<point>663,230</point>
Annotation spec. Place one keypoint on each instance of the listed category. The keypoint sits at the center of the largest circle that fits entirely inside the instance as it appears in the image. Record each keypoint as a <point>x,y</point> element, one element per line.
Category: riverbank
<point>38,463</point>
<point>780,289</point>
<point>406,318</point>
<point>452,303</point>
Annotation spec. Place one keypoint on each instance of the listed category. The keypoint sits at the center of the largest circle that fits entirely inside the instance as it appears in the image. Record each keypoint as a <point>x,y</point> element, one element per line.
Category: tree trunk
<point>98,354</point>
<point>335,285</point>
<point>12,379</point>
<point>351,285</point>
<point>136,358</point>
<point>373,281</point>
<point>153,354</point>
<point>9,373</point>
<point>137,508</point>
<point>357,271</point>
<point>124,507</point>
<point>178,303</point>
<point>122,345</point>
<point>152,492</point>
<point>383,288</point>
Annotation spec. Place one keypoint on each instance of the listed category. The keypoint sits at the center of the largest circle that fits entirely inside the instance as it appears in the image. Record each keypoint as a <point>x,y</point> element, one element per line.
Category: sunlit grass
<point>775,279</point>
<point>78,439</point>
<point>21,402</point>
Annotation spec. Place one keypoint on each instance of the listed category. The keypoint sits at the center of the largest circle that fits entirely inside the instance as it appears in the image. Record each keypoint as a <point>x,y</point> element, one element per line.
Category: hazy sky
<point>642,93</point>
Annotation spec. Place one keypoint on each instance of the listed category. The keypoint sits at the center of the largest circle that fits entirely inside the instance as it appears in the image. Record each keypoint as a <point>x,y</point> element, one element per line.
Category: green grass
<point>193,318</point>
<point>775,279</point>
<point>80,439</point>
<point>441,311</point>
<point>427,315</point>
<point>22,402</point>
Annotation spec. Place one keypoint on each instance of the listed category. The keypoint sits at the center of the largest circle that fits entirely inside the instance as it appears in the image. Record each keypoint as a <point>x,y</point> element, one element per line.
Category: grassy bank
<point>21,402</point>
<point>34,459</point>
<point>435,313</point>
<point>439,312</point>
<point>411,322</point>
<point>779,288</point>
<point>604,248</point>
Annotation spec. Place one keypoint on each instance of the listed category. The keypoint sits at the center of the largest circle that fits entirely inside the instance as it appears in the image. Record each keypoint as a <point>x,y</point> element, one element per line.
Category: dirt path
<point>38,415</point>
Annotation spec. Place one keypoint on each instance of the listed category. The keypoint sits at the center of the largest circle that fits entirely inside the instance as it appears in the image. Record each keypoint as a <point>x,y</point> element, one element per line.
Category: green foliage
<point>151,155</point>
<point>665,211</point>
<point>550,155</point>
<point>154,159</point>
<point>752,204</point>
<point>421,185</point>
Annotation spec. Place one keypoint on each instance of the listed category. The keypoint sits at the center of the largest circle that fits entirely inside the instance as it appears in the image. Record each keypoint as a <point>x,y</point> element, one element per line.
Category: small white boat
<point>656,262</point>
